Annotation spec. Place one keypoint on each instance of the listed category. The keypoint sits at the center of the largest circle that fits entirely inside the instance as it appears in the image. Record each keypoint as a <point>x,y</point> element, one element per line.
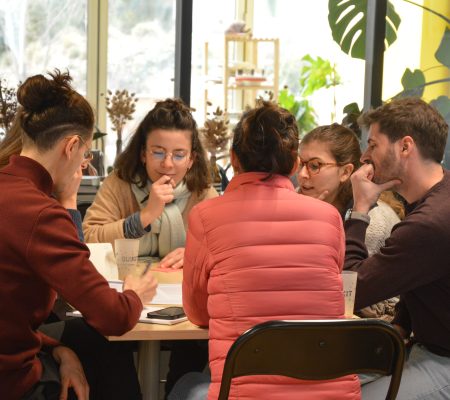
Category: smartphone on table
<point>167,313</point>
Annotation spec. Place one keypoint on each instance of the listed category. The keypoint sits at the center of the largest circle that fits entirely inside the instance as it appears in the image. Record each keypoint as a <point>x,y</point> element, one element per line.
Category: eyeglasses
<point>178,157</point>
<point>87,155</point>
<point>314,166</point>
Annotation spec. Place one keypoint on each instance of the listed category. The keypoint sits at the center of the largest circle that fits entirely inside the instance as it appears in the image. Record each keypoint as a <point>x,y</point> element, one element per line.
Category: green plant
<point>348,17</point>
<point>350,120</point>
<point>347,20</point>
<point>315,74</point>
<point>301,109</point>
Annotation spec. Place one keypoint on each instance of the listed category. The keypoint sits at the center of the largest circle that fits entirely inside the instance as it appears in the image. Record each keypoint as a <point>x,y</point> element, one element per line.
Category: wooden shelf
<point>246,49</point>
<point>253,87</point>
<point>243,55</point>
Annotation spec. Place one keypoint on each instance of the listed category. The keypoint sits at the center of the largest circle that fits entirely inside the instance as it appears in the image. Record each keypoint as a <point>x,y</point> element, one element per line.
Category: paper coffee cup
<point>349,279</point>
<point>126,252</point>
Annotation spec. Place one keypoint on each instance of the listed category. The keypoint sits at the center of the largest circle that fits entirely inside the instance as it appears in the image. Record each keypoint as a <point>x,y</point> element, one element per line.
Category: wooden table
<point>150,335</point>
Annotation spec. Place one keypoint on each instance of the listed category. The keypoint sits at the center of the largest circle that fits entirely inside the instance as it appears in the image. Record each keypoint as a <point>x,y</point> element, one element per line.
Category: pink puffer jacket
<point>264,252</point>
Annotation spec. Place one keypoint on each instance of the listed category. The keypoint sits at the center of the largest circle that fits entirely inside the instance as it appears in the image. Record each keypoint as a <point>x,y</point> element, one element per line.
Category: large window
<point>141,56</point>
<point>41,35</point>
<point>303,30</point>
<point>210,20</point>
<point>130,44</point>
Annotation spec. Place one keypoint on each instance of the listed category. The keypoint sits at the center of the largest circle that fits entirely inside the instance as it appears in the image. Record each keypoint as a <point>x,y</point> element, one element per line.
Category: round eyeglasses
<point>314,166</point>
<point>178,157</point>
<point>88,155</point>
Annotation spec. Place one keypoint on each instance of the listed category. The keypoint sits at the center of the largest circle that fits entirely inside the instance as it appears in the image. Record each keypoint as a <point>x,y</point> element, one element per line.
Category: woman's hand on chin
<point>174,259</point>
<point>160,194</point>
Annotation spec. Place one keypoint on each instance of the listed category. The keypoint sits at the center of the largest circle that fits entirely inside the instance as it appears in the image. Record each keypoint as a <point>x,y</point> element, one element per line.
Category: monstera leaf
<point>443,52</point>
<point>347,20</point>
<point>351,115</point>
<point>442,104</point>
<point>413,83</point>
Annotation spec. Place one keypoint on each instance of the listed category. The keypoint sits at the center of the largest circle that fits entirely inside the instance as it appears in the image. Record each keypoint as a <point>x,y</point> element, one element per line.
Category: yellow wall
<point>433,29</point>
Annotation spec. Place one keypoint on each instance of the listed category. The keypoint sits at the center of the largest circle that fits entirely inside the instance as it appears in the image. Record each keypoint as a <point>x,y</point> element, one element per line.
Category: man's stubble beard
<point>388,169</point>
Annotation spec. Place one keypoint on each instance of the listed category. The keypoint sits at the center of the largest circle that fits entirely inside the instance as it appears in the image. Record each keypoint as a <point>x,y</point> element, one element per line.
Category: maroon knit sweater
<point>414,263</point>
<point>41,255</point>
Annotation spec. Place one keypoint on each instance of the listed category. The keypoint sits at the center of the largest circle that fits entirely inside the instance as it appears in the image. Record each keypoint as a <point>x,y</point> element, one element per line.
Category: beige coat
<point>113,203</point>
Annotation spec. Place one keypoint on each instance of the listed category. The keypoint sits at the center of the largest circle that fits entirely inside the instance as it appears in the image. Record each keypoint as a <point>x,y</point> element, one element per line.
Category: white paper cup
<point>126,252</point>
<point>349,279</point>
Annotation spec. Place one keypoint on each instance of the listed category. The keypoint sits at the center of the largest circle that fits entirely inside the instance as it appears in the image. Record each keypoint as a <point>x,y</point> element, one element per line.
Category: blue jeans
<point>425,376</point>
<point>191,386</point>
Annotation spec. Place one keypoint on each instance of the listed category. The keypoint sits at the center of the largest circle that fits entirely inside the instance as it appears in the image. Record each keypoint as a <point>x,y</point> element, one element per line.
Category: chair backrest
<point>316,350</point>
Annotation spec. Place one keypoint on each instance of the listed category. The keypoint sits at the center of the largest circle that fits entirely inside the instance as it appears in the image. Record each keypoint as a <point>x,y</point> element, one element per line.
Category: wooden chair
<point>316,350</point>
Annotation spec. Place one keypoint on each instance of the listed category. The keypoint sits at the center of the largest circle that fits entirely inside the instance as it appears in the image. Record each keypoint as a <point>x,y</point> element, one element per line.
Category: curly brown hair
<point>170,114</point>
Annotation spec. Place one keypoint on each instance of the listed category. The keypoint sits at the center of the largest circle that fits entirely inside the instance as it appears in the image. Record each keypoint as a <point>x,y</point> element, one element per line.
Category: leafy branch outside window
<point>8,106</point>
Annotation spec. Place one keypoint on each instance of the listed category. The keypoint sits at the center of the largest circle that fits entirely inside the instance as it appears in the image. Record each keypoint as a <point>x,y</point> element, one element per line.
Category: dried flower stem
<point>120,107</point>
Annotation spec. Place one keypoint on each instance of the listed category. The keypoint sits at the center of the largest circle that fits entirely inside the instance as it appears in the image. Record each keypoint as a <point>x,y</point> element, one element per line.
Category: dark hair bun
<point>52,109</point>
<point>266,140</point>
<point>38,93</point>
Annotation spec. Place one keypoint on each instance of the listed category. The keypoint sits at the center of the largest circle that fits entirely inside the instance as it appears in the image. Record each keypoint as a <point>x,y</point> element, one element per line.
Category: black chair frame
<point>316,350</point>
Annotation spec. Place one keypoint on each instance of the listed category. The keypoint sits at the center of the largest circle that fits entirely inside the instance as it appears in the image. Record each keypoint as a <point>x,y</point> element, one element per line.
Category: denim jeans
<point>191,386</point>
<point>425,376</point>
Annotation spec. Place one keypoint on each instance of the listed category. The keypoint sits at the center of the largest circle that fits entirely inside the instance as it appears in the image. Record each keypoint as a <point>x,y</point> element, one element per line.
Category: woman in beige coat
<point>160,176</point>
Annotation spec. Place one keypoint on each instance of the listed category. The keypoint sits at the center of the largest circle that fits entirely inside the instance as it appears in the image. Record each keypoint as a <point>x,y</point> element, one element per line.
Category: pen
<point>146,268</point>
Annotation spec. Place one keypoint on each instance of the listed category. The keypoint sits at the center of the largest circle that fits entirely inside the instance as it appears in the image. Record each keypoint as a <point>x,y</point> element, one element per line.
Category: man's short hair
<point>413,117</point>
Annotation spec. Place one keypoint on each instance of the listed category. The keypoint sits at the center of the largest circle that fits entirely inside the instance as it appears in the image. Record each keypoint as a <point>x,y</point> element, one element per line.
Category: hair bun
<point>38,93</point>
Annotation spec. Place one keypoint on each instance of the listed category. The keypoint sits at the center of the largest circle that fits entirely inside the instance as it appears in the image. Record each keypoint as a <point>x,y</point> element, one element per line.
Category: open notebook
<point>143,317</point>
<point>166,293</point>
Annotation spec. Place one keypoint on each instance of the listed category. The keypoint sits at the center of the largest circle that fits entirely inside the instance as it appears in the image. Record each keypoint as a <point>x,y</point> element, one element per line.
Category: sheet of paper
<point>168,293</point>
<point>116,284</point>
<point>102,256</point>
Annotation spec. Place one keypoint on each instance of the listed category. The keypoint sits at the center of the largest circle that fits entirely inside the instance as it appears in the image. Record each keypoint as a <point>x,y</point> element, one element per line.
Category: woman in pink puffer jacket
<point>263,252</point>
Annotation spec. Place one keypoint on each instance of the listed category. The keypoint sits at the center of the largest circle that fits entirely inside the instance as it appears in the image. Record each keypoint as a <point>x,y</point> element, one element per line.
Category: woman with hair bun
<point>42,254</point>
<point>12,145</point>
<point>262,252</point>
